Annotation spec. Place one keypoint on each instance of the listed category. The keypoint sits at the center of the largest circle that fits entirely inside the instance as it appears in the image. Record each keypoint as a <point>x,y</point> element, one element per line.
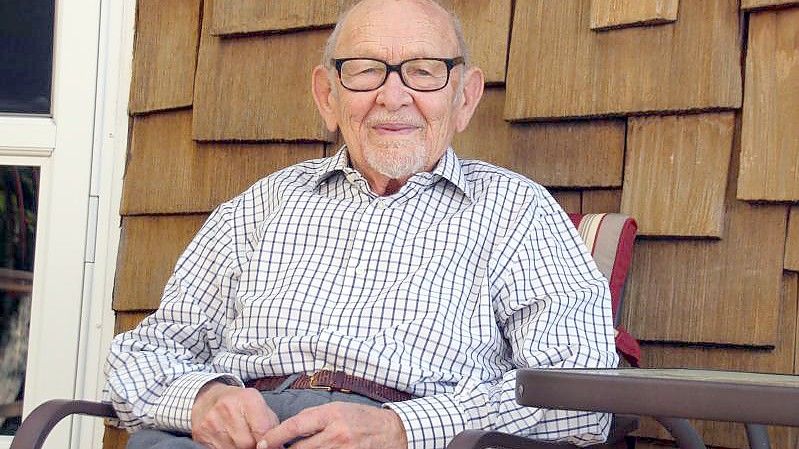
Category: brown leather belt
<point>333,381</point>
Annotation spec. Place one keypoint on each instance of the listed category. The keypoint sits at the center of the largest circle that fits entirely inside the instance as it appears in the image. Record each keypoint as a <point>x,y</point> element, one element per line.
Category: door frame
<point>81,151</point>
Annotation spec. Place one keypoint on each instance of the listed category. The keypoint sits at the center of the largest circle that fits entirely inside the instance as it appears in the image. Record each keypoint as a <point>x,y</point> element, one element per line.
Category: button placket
<point>360,241</point>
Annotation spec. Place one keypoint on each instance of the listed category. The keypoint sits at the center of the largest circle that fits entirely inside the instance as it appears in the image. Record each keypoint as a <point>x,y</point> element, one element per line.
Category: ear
<point>324,97</point>
<point>473,81</point>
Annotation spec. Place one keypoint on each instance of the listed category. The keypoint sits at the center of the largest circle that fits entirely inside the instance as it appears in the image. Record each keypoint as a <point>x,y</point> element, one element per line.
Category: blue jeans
<point>283,401</point>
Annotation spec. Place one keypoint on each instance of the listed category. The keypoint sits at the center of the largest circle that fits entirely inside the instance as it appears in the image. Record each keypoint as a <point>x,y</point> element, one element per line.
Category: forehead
<point>397,29</point>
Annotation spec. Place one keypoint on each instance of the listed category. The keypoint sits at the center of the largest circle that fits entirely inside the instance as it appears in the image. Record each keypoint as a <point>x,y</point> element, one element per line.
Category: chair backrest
<point>610,237</point>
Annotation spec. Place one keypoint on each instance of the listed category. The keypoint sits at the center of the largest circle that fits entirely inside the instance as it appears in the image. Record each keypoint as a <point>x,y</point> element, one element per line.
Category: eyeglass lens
<point>418,74</point>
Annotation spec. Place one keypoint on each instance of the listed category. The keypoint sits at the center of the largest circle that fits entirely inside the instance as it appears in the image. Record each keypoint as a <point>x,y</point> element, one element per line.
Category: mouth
<point>394,129</point>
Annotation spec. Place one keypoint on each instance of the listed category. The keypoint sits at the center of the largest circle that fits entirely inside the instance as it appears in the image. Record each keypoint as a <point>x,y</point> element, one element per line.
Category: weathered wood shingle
<point>676,173</point>
<point>149,247</point>
<point>558,154</point>
<point>610,14</point>
<point>169,173</point>
<point>257,88</point>
<point>165,54</point>
<point>770,158</point>
<point>560,68</point>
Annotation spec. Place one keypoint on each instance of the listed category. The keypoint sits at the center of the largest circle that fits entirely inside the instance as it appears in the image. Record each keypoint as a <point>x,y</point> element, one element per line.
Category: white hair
<point>332,41</point>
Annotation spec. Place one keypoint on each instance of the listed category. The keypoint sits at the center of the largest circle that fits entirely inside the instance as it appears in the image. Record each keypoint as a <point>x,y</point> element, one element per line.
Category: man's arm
<point>553,307</point>
<point>155,371</point>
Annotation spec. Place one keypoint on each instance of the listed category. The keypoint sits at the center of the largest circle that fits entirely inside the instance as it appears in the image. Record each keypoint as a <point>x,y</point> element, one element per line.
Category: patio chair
<point>610,239</point>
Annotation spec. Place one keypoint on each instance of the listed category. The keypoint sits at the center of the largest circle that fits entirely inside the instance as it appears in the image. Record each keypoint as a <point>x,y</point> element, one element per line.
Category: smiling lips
<point>394,128</point>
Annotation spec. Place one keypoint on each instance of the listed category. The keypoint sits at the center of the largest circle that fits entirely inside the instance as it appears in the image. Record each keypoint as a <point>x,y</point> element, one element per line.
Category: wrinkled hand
<point>229,417</point>
<point>339,425</point>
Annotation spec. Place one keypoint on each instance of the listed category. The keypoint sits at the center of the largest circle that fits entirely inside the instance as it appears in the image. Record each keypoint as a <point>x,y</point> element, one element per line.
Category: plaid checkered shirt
<point>442,290</point>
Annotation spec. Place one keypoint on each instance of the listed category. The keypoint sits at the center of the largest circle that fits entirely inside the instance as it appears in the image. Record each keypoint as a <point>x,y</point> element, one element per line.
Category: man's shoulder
<point>270,190</point>
<point>301,175</point>
<point>487,178</point>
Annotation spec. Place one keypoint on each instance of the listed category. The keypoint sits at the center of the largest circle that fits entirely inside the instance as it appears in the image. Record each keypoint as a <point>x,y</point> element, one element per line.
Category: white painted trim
<point>81,153</point>
<point>27,132</point>
<point>26,152</point>
<point>26,160</point>
<point>110,150</point>
<point>56,310</point>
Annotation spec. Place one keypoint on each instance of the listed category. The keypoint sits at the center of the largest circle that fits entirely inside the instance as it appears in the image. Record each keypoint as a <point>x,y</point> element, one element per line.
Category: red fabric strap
<point>610,238</point>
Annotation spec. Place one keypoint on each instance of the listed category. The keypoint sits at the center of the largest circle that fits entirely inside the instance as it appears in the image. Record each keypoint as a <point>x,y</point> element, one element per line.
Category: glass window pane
<point>19,191</point>
<point>26,55</point>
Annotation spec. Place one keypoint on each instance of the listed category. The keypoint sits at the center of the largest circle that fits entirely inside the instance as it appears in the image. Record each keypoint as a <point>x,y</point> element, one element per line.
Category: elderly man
<point>379,298</point>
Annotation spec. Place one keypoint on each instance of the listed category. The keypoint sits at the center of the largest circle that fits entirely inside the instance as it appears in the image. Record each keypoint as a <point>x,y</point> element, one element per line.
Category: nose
<point>393,94</point>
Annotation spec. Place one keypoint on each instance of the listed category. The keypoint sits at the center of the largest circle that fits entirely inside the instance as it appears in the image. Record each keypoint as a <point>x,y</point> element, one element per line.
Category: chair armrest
<point>35,428</point>
<point>479,439</point>
<point>474,439</point>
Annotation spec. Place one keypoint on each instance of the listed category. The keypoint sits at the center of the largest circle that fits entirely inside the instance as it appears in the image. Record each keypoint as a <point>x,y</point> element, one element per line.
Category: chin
<point>397,160</point>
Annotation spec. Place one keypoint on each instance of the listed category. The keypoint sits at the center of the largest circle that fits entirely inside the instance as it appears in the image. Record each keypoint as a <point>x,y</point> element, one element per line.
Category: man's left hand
<point>339,425</point>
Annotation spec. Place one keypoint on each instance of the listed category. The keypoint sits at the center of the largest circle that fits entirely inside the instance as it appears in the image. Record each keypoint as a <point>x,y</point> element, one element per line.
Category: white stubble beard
<point>397,160</point>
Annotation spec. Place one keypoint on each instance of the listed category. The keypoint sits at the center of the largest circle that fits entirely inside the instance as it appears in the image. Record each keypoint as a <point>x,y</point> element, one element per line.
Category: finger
<point>257,414</point>
<point>319,440</point>
<point>306,423</point>
<point>239,431</point>
<point>213,432</point>
<point>233,421</point>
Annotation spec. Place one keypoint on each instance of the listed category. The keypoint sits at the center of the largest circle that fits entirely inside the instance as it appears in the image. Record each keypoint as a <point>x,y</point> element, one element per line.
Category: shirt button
<point>360,270</point>
<point>381,204</point>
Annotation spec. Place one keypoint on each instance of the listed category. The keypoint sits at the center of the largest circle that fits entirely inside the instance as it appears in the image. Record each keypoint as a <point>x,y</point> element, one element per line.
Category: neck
<point>386,186</point>
<point>380,184</point>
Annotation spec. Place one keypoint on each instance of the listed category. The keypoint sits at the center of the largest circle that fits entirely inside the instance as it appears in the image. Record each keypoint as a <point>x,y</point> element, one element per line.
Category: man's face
<point>395,131</point>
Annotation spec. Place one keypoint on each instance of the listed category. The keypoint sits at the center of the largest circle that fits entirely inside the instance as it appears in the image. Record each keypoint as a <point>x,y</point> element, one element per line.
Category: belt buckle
<point>315,386</point>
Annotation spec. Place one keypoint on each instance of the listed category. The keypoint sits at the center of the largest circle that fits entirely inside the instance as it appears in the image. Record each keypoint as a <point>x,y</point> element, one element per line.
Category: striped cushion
<point>610,238</point>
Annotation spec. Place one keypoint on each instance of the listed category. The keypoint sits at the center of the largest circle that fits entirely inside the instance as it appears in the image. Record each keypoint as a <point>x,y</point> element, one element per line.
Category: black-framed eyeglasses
<point>420,74</point>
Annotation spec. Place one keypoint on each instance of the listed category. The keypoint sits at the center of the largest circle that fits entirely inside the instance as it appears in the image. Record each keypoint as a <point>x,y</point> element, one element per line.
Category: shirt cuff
<point>173,410</point>
<point>430,422</point>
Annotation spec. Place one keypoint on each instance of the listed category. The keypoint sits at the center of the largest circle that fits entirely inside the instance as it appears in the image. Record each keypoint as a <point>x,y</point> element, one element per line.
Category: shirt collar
<point>449,168</point>
<point>339,162</point>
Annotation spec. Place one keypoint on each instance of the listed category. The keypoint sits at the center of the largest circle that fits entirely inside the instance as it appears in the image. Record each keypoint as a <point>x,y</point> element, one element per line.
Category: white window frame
<point>81,152</point>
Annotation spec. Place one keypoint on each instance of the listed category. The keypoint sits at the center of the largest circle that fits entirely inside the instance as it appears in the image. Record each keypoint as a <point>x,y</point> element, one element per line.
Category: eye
<point>362,68</point>
<point>367,71</point>
<point>420,72</point>
<point>423,69</point>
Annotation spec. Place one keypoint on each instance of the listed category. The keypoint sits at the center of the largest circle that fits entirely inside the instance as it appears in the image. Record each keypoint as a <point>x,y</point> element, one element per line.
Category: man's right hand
<point>225,416</point>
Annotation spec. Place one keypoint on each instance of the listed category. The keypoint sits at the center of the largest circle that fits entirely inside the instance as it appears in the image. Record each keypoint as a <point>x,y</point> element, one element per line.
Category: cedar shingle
<point>722,291</point>
<point>194,177</point>
<point>770,158</point>
<point>149,246</point>
<point>559,67</point>
<point>608,14</point>
<point>257,88</point>
<point>757,4</point>
<point>165,54</point>
<point>777,360</point>
<point>676,173</point>
<point>792,241</point>
<point>559,154</point>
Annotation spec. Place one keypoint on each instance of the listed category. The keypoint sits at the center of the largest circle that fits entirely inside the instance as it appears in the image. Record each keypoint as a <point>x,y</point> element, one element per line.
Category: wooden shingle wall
<point>610,14</point>
<point>643,106</point>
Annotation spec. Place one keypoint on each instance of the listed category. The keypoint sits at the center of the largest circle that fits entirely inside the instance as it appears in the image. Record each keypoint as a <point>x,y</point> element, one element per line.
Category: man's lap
<point>285,404</point>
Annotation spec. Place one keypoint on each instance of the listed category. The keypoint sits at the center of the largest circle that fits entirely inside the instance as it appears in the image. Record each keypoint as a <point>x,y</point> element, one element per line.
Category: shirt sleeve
<point>155,371</point>
<point>553,306</point>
